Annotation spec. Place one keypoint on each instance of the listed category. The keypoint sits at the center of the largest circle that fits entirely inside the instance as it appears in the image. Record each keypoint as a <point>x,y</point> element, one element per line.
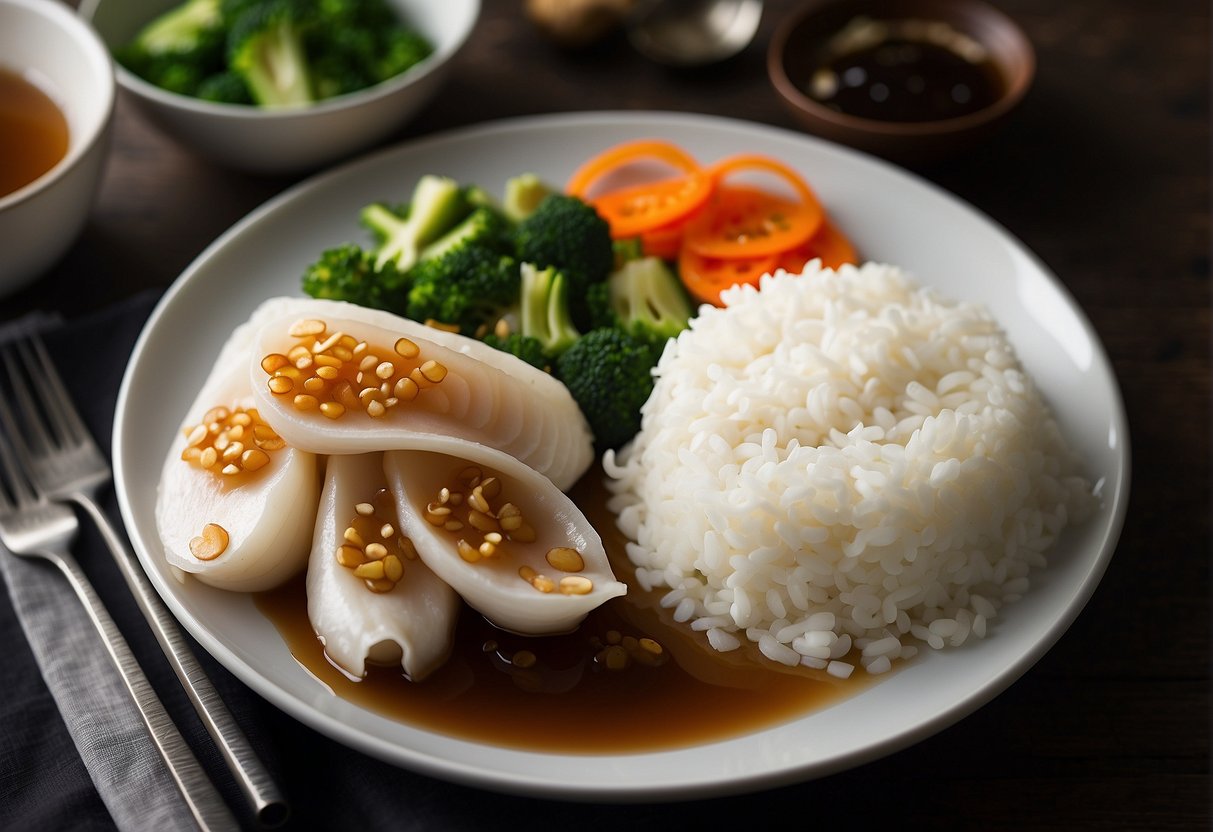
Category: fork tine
<point>39,440</point>
<point>14,475</point>
<point>55,398</point>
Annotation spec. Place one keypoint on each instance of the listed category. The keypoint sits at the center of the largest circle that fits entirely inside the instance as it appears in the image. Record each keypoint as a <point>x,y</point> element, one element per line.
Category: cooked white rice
<point>842,465</point>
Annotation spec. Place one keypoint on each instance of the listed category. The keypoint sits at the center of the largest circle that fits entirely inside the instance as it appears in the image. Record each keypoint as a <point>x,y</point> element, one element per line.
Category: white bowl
<point>44,42</point>
<point>280,141</point>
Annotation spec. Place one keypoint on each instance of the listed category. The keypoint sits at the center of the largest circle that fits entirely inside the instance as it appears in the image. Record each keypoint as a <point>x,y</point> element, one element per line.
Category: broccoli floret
<point>609,373</point>
<point>468,286</point>
<point>290,52</point>
<point>359,43</point>
<point>644,297</point>
<point>483,226</point>
<point>629,249</point>
<point>567,233</point>
<point>183,28</point>
<point>398,49</point>
<point>180,49</point>
<point>224,88</point>
<point>265,46</point>
<point>348,273</point>
<point>337,58</point>
<point>545,308</point>
<point>529,350</point>
<point>523,194</point>
<point>437,204</point>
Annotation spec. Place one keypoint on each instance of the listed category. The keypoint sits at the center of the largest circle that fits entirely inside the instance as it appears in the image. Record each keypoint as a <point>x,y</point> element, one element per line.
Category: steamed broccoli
<point>609,373</point>
<point>567,233</point>
<point>265,47</point>
<point>290,52</point>
<point>643,296</point>
<point>224,88</point>
<point>180,49</point>
<point>468,286</point>
<point>337,60</point>
<point>518,345</point>
<point>483,227</point>
<point>523,194</point>
<point>437,204</point>
<point>398,49</point>
<point>181,28</point>
<point>357,45</point>
<point>545,309</point>
<point>348,273</point>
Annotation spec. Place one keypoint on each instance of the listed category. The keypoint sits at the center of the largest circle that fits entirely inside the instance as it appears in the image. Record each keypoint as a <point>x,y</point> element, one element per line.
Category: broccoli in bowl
<point>274,53</point>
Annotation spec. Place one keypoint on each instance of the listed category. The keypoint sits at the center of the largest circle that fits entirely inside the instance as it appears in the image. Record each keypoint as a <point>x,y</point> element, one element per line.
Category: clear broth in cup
<point>33,132</point>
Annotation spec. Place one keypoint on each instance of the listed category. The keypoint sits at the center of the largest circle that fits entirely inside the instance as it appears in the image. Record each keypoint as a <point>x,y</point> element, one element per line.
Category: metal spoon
<point>693,32</point>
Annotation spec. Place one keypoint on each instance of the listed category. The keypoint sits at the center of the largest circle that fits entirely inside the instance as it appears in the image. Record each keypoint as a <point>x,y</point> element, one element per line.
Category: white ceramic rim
<point>78,148</point>
<point>766,758</point>
<point>239,112</point>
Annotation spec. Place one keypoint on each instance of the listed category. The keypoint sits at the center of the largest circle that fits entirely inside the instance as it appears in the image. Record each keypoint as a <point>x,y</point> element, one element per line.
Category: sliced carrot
<point>746,221</point>
<point>830,244</point>
<point>664,242</point>
<point>706,277</point>
<point>610,160</point>
<point>720,228</point>
<point>633,209</point>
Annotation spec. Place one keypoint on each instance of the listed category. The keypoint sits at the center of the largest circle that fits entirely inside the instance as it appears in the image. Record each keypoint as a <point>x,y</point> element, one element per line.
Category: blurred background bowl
<point>801,43</point>
<point>289,140</point>
<point>45,44</point>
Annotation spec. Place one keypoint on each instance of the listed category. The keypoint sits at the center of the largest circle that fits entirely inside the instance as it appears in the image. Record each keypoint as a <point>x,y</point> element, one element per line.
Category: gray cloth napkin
<point>125,767</point>
<point>101,718</point>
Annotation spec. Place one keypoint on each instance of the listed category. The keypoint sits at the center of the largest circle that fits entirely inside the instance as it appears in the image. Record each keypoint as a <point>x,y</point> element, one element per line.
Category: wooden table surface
<point>1104,173</point>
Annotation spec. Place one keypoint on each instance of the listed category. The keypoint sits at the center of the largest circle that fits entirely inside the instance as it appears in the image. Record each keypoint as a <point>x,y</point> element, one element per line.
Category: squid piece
<point>503,536</point>
<point>236,504</point>
<point>335,378</point>
<point>370,598</point>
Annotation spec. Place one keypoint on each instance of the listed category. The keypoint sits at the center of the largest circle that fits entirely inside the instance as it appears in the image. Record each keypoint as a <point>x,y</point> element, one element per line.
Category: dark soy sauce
<point>905,72</point>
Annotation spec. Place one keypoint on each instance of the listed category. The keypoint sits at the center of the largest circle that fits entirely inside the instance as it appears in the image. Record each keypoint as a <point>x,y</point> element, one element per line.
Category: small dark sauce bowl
<point>799,46</point>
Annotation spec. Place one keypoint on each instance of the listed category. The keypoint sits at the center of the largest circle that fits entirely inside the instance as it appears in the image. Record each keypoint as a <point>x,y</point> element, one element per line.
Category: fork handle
<point>269,806</point>
<point>200,794</point>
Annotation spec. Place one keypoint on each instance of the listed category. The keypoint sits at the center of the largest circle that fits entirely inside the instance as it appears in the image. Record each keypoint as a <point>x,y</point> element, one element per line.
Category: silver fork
<point>66,464</point>
<point>33,526</point>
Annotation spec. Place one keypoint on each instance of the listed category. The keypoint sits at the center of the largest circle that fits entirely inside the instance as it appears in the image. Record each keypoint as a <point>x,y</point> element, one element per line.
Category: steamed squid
<point>445,464</point>
<point>236,503</point>
<point>370,598</point>
<point>336,378</point>
<point>513,545</point>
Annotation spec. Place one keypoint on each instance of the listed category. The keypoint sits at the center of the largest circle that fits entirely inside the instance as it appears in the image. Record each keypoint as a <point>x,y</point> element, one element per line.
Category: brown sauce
<point>557,693</point>
<point>911,73</point>
<point>33,132</point>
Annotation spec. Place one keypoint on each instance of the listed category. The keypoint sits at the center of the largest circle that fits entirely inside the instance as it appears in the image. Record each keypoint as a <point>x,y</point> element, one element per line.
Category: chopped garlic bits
<point>335,373</point>
<point>486,525</point>
<point>513,545</point>
<point>230,441</point>
<point>370,546</point>
<point>334,378</point>
<point>370,599</point>
<point>210,543</point>
<point>229,469</point>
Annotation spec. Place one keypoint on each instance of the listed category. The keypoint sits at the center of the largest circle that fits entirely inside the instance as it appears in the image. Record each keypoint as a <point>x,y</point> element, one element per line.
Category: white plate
<point>892,216</point>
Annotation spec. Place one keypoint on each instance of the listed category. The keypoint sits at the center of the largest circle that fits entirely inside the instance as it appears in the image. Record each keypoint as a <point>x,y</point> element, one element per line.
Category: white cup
<point>45,42</point>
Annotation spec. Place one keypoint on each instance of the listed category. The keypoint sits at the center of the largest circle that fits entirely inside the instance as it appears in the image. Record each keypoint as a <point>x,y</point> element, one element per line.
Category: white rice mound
<point>841,465</point>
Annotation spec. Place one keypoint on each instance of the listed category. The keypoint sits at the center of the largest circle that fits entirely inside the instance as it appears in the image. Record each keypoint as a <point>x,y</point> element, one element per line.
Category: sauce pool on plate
<point>628,679</point>
<point>33,132</point>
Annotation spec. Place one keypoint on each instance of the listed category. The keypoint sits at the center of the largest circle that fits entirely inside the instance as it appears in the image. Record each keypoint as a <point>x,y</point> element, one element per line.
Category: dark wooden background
<point>1104,173</point>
